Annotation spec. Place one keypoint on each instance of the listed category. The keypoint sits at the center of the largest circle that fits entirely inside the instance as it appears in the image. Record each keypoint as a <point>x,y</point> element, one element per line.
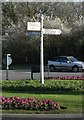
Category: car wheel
<point>52,68</point>
<point>75,69</point>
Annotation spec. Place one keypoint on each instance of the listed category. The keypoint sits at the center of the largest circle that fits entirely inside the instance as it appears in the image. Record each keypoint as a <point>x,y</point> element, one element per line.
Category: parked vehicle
<point>68,63</point>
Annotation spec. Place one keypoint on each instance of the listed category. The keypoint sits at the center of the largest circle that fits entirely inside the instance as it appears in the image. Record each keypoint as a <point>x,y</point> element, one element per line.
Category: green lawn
<point>72,102</point>
<point>69,97</point>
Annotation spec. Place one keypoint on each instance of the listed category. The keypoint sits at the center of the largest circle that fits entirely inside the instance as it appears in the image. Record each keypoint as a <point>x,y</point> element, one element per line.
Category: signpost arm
<point>41,54</point>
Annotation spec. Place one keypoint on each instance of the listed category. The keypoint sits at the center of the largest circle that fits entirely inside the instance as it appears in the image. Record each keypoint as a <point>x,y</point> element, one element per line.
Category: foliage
<point>63,15</point>
<point>36,86</point>
<point>66,78</point>
<point>67,92</point>
<point>27,103</point>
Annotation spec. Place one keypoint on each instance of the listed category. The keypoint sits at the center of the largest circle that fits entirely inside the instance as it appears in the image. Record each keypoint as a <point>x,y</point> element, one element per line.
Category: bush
<point>35,85</point>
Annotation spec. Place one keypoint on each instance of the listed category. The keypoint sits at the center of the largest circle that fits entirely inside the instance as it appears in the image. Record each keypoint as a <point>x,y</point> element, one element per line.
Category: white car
<point>68,63</point>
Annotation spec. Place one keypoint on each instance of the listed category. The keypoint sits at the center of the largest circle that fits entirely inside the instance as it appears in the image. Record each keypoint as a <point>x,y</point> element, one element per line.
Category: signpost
<point>52,31</point>
<point>33,26</point>
<point>9,61</point>
<point>38,26</point>
<point>41,54</point>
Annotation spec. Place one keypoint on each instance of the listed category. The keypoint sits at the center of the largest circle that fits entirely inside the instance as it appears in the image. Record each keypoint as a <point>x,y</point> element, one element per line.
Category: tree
<point>66,16</point>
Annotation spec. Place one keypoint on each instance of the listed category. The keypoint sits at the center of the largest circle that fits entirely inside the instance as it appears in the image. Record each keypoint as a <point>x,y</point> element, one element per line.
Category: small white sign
<point>33,26</point>
<point>9,61</point>
<point>52,31</point>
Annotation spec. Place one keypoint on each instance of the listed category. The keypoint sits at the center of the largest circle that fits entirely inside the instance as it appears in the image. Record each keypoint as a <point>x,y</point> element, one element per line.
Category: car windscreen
<point>73,59</point>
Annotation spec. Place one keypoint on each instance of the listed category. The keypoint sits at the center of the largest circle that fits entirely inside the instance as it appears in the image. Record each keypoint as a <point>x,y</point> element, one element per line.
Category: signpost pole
<point>7,68</point>
<point>41,54</point>
<point>9,61</point>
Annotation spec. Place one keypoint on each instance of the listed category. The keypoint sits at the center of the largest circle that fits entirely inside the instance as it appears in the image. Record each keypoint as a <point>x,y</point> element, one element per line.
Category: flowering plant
<point>27,103</point>
<point>66,78</point>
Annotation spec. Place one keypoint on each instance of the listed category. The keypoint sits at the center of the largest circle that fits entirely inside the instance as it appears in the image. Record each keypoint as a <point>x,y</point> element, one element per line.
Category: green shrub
<point>35,85</point>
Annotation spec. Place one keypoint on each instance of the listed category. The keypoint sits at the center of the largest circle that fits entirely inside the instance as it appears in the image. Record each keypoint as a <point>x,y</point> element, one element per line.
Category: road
<point>26,74</point>
<point>43,117</point>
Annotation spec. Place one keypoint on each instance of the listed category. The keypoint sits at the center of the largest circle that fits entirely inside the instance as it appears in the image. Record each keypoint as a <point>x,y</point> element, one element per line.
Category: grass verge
<point>68,93</point>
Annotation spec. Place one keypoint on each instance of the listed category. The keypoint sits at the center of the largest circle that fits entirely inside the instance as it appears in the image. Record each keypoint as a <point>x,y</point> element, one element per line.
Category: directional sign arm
<point>52,31</point>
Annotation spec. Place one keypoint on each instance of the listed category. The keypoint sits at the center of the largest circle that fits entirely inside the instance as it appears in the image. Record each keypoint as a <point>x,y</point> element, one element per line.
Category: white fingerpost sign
<point>52,31</point>
<point>38,26</point>
<point>33,26</point>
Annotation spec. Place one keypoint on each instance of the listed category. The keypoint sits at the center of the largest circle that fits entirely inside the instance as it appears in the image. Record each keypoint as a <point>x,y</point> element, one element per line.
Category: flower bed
<point>66,78</point>
<point>27,103</point>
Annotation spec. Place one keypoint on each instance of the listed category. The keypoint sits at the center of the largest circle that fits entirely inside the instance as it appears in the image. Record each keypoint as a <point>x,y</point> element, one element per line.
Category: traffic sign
<point>9,61</point>
<point>52,31</point>
<point>33,26</point>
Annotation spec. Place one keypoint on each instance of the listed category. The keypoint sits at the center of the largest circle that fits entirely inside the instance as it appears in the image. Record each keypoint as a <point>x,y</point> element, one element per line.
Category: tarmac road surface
<point>25,74</point>
<point>43,117</point>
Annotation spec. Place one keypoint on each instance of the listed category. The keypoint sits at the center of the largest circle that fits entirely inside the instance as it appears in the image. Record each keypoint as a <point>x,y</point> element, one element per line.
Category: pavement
<point>43,116</point>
